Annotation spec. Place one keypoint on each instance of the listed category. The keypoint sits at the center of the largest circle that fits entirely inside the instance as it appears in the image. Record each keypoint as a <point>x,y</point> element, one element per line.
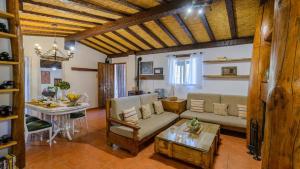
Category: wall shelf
<point>8,118</point>
<point>8,90</point>
<point>6,15</point>
<point>228,60</point>
<point>226,77</point>
<point>152,77</point>
<point>8,63</point>
<point>7,35</point>
<point>9,144</point>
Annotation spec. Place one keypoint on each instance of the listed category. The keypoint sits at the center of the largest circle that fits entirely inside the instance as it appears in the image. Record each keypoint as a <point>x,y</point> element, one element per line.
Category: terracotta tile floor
<point>89,151</point>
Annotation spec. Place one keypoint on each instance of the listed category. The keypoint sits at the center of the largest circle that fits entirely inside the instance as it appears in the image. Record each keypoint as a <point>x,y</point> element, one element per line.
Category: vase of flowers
<point>64,86</point>
<point>73,99</point>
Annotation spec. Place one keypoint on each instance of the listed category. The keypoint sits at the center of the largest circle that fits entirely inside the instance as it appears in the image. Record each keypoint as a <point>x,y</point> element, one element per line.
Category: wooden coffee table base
<point>193,156</point>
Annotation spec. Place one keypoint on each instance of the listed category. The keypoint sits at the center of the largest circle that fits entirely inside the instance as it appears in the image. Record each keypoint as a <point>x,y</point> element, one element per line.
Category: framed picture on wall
<point>158,71</point>
<point>146,68</point>
<point>45,77</point>
<point>57,81</point>
<point>229,71</point>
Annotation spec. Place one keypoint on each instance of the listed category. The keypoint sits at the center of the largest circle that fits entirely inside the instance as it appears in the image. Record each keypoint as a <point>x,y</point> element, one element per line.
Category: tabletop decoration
<point>194,126</point>
<point>63,86</point>
<point>73,98</point>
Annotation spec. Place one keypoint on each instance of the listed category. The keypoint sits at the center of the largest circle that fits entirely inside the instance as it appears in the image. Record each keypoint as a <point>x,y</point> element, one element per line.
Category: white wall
<point>233,87</point>
<point>81,82</point>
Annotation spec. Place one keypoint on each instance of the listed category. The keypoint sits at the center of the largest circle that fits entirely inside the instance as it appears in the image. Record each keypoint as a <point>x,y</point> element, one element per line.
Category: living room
<point>124,84</point>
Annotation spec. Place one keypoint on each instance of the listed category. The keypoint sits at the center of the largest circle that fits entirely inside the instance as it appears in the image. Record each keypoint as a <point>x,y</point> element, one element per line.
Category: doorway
<point>120,80</point>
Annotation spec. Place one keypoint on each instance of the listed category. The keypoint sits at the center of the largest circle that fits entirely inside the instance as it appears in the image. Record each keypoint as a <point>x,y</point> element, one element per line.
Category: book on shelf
<point>8,162</point>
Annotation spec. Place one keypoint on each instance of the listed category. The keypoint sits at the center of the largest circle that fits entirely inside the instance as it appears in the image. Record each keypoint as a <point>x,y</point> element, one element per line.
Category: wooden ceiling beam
<point>48,22</point>
<point>129,5</point>
<point>138,37</point>
<point>231,18</point>
<point>96,7</point>
<point>127,40</point>
<point>60,17</point>
<point>46,28</point>
<point>153,36</point>
<point>138,18</point>
<point>107,44</point>
<point>102,49</point>
<point>86,44</point>
<point>71,11</point>
<point>116,42</point>
<point>39,33</point>
<point>98,43</point>
<point>222,43</point>
<point>166,30</point>
<point>207,27</point>
<point>185,28</point>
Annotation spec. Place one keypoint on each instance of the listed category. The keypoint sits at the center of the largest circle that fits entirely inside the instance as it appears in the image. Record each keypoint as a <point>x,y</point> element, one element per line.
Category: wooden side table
<point>177,106</point>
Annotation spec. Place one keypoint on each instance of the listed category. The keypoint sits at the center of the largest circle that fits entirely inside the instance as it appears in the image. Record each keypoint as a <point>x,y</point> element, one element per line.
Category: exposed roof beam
<point>97,42</point>
<point>128,4</point>
<point>127,40</point>
<point>138,18</point>
<point>207,27</point>
<point>60,17</point>
<point>153,36</point>
<point>47,28</point>
<point>71,11</point>
<point>138,37</point>
<point>88,44</point>
<point>230,13</point>
<point>42,33</point>
<point>96,46</point>
<point>96,7</point>
<point>221,43</point>
<point>185,28</point>
<point>166,30</point>
<point>116,42</point>
<point>107,44</point>
<point>59,24</point>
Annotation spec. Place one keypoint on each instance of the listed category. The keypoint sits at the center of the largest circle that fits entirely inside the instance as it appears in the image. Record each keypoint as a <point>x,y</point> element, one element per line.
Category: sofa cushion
<point>232,102</point>
<point>120,104</point>
<point>130,115</point>
<point>148,126</point>
<point>197,105</point>
<point>209,99</point>
<point>158,107</point>
<point>149,99</point>
<point>220,109</point>
<point>146,111</point>
<point>232,121</point>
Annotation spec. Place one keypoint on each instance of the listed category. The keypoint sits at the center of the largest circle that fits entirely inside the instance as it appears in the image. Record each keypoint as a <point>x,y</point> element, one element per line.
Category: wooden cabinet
<point>105,82</point>
<point>177,107</point>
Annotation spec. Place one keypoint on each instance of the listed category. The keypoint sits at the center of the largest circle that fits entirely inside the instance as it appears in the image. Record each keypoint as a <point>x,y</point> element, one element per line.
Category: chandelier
<point>54,53</point>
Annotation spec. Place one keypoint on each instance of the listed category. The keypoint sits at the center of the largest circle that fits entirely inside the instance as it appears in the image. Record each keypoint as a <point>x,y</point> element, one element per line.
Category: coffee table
<point>197,149</point>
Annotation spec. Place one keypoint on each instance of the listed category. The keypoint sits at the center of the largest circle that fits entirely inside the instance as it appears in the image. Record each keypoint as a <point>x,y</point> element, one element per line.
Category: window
<point>185,71</point>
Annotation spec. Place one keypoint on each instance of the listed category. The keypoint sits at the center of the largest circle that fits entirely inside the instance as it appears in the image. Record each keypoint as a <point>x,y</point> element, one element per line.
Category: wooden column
<point>260,66</point>
<point>282,137</point>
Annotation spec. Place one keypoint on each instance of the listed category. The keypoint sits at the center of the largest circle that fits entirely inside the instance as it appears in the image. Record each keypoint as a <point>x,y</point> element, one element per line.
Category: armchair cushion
<point>149,99</point>
<point>118,105</point>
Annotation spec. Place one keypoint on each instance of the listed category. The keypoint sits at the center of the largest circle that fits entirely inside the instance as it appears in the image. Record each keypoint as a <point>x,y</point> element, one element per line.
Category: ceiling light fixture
<point>200,6</point>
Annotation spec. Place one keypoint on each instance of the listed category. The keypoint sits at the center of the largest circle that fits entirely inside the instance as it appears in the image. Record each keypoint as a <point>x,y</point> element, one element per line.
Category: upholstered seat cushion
<point>77,115</point>
<point>38,125</point>
<point>30,119</point>
<point>232,121</point>
<point>148,126</point>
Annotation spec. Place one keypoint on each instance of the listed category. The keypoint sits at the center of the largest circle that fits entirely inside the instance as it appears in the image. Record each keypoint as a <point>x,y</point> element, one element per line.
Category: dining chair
<point>35,125</point>
<point>78,117</point>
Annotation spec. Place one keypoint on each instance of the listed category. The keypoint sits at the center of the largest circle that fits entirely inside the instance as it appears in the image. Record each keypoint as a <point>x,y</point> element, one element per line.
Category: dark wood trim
<point>138,37</point>
<point>127,40</point>
<point>116,42</point>
<point>231,18</point>
<point>42,33</point>
<point>151,77</point>
<point>153,36</point>
<point>70,11</point>
<point>138,18</point>
<point>60,17</point>
<point>207,27</point>
<point>48,28</point>
<point>59,24</point>
<point>128,4</point>
<point>222,43</point>
<point>96,7</point>
<point>166,30</point>
<point>84,69</point>
<point>107,44</point>
<point>185,28</point>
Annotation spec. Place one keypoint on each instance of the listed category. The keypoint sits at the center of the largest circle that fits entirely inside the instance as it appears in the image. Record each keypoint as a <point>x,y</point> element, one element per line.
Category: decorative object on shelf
<point>222,58</point>
<point>7,85</point>
<point>54,53</point>
<point>5,111</point>
<point>146,68</point>
<point>5,139</point>
<point>229,71</point>
<point>73,98</point>
<point>4,56</point>
<point>194,126</point>
<point>3,28</point>
<point>159,71</point>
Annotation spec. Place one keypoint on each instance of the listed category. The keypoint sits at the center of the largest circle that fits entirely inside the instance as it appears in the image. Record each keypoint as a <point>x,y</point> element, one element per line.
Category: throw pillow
<point>158,107</point>
<point>197,106</point>
<point>130,115</point>
<point>242,111</point>
<point>220,109</point>
<point>146,111</point>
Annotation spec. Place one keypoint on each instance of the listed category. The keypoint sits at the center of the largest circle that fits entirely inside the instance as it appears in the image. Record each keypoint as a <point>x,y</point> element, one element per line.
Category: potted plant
<point>194,125</point>
<point>64,85</point>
